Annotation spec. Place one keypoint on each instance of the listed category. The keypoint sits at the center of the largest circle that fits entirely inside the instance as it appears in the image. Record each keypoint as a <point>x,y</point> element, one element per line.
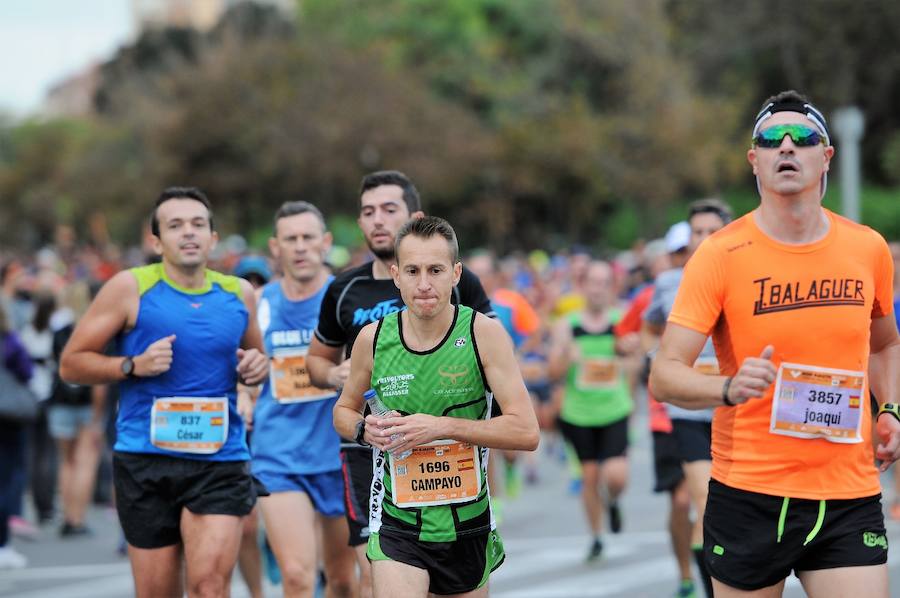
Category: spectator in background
<point>15,298</point>
<point>77,418</point>
<point>37,338</point>
<point>15,359</point>
<point>255,269</point>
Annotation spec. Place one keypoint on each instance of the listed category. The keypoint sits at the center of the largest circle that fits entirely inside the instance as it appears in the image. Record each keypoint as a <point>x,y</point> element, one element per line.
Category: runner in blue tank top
<point>185,336</point>
<point>296,452</point>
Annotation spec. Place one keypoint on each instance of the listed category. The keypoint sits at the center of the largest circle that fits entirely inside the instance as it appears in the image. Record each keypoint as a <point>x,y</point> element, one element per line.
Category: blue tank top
<point>209,324</point>
<point>292,425</point>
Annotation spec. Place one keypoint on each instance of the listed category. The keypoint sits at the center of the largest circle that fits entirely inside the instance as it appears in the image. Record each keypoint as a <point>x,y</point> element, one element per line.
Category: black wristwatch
<point>128,367</point>
<point>360,433</point>
<point>892,408</point>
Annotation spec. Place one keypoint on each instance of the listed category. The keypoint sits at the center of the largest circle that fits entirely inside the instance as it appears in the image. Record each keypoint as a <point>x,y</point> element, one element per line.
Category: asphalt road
<point>543,530</point>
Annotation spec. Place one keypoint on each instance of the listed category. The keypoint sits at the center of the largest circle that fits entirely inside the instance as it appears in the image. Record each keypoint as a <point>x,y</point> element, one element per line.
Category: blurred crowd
<point>61,462</point>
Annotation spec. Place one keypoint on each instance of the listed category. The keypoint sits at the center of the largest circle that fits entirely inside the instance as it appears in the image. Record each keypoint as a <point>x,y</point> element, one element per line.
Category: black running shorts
<point>752,541</point>
<point>666,462</point>
<point>694,439</point>
<point>597,443</point>
<point>453,567</point>
<point>152,490</point>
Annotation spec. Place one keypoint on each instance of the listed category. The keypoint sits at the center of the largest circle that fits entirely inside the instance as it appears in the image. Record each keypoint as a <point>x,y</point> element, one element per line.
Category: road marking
<point>624,539</point>
<point>67,572</point>
<point>119,585</point>
<point>608,581</point>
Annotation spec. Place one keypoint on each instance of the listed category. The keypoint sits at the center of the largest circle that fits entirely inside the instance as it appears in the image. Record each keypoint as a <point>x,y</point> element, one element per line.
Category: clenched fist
<point>156,360</point>
<point>753,378</point>
<point>252,367</point>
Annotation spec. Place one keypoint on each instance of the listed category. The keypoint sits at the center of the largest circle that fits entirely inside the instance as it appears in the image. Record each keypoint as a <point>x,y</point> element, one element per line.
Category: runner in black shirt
<point>365,294</point>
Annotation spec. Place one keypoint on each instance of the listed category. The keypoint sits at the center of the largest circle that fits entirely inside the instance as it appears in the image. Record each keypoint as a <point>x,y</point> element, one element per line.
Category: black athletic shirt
<point>355,298</point>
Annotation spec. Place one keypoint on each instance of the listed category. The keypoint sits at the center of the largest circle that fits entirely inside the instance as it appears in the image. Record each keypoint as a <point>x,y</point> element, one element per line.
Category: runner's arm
<point>326,370</point>
<point>884,360</point>
<point>83,360</point>
<point>252,338</point>
<point>559,357</point>
<point>673,378</point>
<point>884,379</point>
<point>650,334</point>
<point>349,407</point>
<point>515,429</point>
<point>325,356</point>
<point>253,365</point>
<point>246,403</point>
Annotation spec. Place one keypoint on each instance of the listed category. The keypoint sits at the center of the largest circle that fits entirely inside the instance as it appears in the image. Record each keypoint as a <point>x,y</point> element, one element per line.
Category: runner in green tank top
<point>596,402</point>
<point>437,368</point>
<point>596,391</point>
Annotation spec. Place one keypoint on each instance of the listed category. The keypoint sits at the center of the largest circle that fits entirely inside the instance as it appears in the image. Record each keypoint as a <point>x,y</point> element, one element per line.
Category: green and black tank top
<point>447,380</point>
<point>596,392</point>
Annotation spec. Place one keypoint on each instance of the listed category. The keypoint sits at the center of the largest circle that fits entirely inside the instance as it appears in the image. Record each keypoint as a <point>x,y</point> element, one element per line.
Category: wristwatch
<point>128,367</point>
<point>360,433</point>
<point>892,408</point>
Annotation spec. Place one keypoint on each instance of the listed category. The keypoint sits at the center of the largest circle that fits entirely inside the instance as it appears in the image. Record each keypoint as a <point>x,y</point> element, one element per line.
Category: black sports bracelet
<point>892,408</point>
<point>725,388</point>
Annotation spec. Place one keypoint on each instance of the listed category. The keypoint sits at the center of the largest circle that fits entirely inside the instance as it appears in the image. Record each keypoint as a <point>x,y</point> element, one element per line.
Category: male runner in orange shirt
<point>798,301</point>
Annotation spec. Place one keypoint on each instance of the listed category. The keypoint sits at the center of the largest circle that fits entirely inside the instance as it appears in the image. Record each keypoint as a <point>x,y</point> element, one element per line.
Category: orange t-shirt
<point>814,304</point>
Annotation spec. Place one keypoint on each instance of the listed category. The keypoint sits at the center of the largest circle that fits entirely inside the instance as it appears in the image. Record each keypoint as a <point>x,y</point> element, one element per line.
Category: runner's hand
<point>245,408</point>
<point>628,343</point>
<point>753,378</point>
<point>414,430</point>
<point>156,360</point>
<point>338,375</point>
<point>252,366</point>
<point>888,451</point>
<point>375,426</point>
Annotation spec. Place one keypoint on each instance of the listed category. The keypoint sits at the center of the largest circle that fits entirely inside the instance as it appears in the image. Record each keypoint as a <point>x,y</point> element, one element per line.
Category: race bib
<point>442,472</point>
<point>189,424</point>
<point>816,402</point>
<point>289,378</point>
<point>598,372</point>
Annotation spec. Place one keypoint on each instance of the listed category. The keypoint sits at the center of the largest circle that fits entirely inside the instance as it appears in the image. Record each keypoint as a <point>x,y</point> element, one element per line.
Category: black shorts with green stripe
<point>453,567</point>
<point>752,540</point>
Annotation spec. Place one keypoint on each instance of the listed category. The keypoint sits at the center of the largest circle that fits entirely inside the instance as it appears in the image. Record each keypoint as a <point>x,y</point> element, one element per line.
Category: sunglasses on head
<point>801,135</point>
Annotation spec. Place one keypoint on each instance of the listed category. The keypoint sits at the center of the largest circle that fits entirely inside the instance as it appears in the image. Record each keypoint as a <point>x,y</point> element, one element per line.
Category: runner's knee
<point>298,576</point>
<point>681,499</point>
<point>211,585</point>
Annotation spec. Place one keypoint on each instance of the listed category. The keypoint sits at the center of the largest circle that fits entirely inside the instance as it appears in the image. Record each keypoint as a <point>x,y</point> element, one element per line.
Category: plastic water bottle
<point>379,408</point>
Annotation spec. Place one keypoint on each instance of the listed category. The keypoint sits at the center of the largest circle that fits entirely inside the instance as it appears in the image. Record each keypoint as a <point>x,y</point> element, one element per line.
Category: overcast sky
<point>44,41</point>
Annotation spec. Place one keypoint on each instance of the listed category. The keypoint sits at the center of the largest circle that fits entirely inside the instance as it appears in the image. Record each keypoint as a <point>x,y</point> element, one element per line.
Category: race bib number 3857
<point>817,402</point>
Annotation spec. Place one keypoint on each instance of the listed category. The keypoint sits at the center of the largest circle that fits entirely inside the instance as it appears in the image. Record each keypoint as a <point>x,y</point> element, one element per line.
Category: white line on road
<point>119,585</point>
<point>614,581</point>
<point>67,572</point>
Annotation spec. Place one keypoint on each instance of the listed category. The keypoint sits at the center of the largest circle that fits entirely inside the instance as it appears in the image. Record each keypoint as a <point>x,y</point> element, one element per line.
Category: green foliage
<point>532,123</point>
